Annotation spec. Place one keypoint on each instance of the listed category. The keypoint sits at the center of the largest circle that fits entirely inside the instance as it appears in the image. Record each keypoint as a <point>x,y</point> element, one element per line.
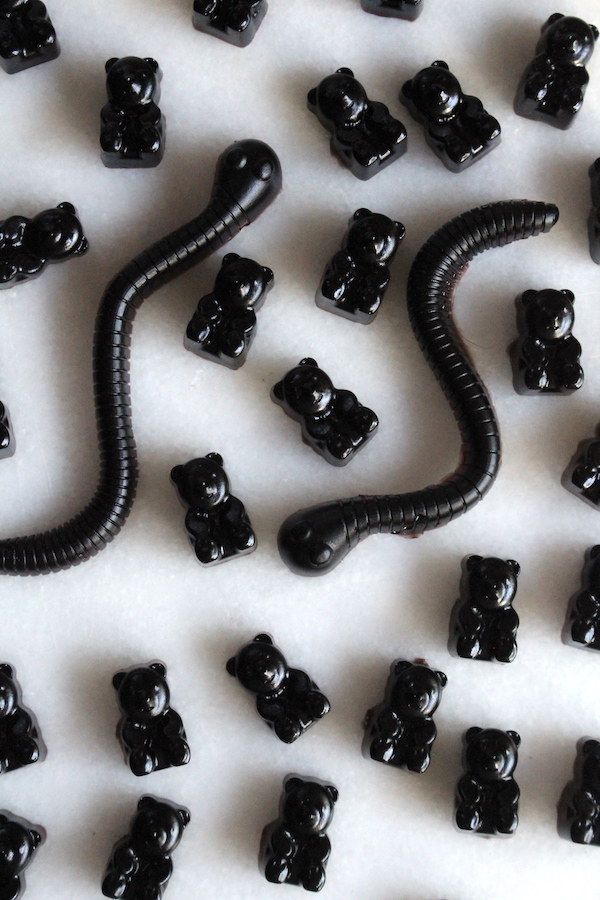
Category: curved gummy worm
<point>313,541</point>
<point>247,179</point>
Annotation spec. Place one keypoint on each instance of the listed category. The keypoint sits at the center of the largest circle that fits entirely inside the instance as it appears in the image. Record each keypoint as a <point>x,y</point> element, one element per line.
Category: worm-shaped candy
<point>313,541</point>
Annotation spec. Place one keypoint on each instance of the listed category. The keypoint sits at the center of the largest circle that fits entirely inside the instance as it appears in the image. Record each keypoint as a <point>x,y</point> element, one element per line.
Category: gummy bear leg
<point>207,551</point>
<point>417,760</point>
<point>114,884</point>
<point>468,647</point>
<point>242,537</point>
<point>277,870</point>
<point>583,631</point>
<point>468,817</point>
<point>317,704</point>
<point>506,650</point>
<point>535,379</point>
<point>582,831</point>
<point>26,751</point>
<point>141,763</point>
<point>382,750</point>
<point>287,729</point>
<point>179,752</point>
<point>506,821</point>
<point>314,878</point>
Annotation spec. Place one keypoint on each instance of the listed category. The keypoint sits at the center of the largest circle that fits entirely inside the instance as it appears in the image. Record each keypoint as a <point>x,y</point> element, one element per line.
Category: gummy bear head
<point>491,582</point>
<point>202,483</point>
<point>307,806</point>
<point>17,845</point>
<point>491,754</point>
<point>158,826</point>
<point>590,767</point>
<point>306,389</point>
<point>242,282</point>
<point>373,237</point>
<point>549,314</point>
<point>9,697</point>
<point>259,666</point>
<point>417,689</point>
<point>143,692</point>
<point>434,91</point>
<point>568,39</point>
<point>56,233</point>
<point>340,99</point>
<point>131,82</point>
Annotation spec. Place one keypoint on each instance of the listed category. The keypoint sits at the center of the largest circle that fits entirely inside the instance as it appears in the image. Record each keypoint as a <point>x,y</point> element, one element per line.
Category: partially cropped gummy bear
<point>234,21</point>
<point>579,807</point>
<point>27,36</point>
<point>19,840</point>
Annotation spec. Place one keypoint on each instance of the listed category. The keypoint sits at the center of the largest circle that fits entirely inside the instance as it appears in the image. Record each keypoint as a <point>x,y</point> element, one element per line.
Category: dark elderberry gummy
<point>20,739</point>
<point>27,36</point>
<point>398,9</point>
<point>356,278</point>
<point>333,422</point>
<point>400,731</point>
<point>594,219</point>
<point>582,475</point>
<point>552,86</point>
<point>457,127</point>
<point>487,795</point>
<point>295,847</point>
<point>287,699</point>
<point>140,864</point>
<point>132,131</point>
<point>582,626</point>
<point>19,840</point>
<point>234,21</point>
<point>363,133</point>
<point>579,806</point>
<point>7,441</point>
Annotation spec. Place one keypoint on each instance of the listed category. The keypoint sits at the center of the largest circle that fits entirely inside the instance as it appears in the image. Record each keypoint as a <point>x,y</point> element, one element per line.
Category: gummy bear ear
<point>159,667</point>
<point>332,791</point>
<point>401,230</point>
<point>146,801</point>
<point>595,551</point>
<point>440,64</point>
<point>595,31</point>
<point>400,665</point>
<point>110,63</point>
<point>311,97</point>
<point>230,666</point>
<point>292,783</point>
<point>152,63</point>
<point>229,258</point>
<point>216,458</point>
<point>268,273</point>
<point>589,747</point>
<point>407,89</point>
<point>443,678</point>
<point>84,246</point>
<point>68,207</point>
<point>277,391</point>
<point>176,473</point>
<point>36,837</point>
<point>569,295</point>
<point>263,639</point>
<point>184,815</point>
<point>6,670</point>
<point>345,71</point>
<point>553,18</point>
<point>361,213</point>
<point>308,361</point>
<point>515,736</point>
<point>117,679</point>
<point>472,562</point>
<point>514,565</point>
<point>472,733</point>
<point>527,297</point>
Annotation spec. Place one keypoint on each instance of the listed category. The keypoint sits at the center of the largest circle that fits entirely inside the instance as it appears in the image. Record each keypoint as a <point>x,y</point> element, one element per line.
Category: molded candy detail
<point>140,864</point>
<point>487,796</point>
<point>545,359</point>
<point>582,627</point>
<point>20,739</point>
<point>357,277</point>
<point>7,441</point>
<point>483,623</point>
<point>551,88</point>
<point>150,731</point>
<point>27,36</point>
<point>295,847</point>
<point>216,521</point>
<point>133,128</point>
<point>224,324</point>
<point>594,219</point>
<point>457,127</point>
<point>579,806</point>
<point>234,21</point>
<point>19,840</point>
<point>333,422</point>
<point>363,133</point>
<point>400,731</point>
<point>26,245</point>
<point>582,475</point>
<point>398,9</point>
<point>288,700</point>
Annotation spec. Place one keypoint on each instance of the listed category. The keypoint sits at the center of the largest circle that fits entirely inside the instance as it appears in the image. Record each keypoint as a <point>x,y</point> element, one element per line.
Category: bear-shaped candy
<point>288,700</point>
<point>457,127</point>
<point>582,475</point>
<point>150,731</point>
<point>20,740</point>
<point>140,864</point>
<point>7,441</point>
<point>224,324</point>
<point>19,840</point>
<point>545,358</point>
<point>363,133</point>
<point>552,86</point>
<point>234,21</point>
<point>398,9</point>
<point>594,219</point>
<point>400,731</point>
<point>582,627</point>
<point>27,36</point>
<point>26,245</point>
<point>132,133</point>
<point>333,422</point>
<point>295,847</point>
<point>484,624</point>
<point>579,806</point>
<point>357,277</point>
<point>216,521</point>
<point>487,796</point>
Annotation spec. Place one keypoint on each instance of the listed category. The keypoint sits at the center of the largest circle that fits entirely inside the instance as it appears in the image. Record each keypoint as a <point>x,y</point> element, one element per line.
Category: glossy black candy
<point>132,133</point>
<point>582,475</point>
<point>234,21</point>
<point>27,245</point>
<point>582,626</point>
<point>313,541</point>
<point>7,441</point>
<point>140,864</point>
<point>594,218</point>
<point>356,279</point>
<point>400,731</point>
<point>27,36</point>
<point>487,795</point>
<point>20,739</point>
<point>224,324</point>
<point>457,127</point>
<point>484,624</point>
<point>295,847</point>
<point>19,840</point>
<point>150,731</point>
<point>333,422</point>
<point>247,180</point>
<point>363,133</point>
<point>545,358</point>
<point>287,699</point>
<point>552,86</point>
<point>579,806</point>
<point>216,521</point>
<point>398,9</point>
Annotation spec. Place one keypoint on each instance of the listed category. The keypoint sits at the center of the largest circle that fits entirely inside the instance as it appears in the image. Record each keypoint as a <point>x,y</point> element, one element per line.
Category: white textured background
<point>146,597</point>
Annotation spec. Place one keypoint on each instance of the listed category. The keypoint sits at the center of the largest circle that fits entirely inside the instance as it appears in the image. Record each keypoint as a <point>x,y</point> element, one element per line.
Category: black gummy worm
<point>247,179</point>
<point>313,541</point>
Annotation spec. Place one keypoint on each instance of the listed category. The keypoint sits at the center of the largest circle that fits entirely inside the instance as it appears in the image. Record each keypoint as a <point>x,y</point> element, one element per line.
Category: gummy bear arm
<point>12,229</point>
<point>242,319</point>
<point>282,841</point>
<point>424,731</point>
<point>534,352</point>
<point>298,681</point>
<point>471,106</point>
<point>124,858</point>
<point>509,792</point>
<point>586,603</point>
<point>151,115</point>
<point>469,789</point>
<point>37,10</point>
<point>541,65</point>
<point>585,804</point>
<point>233,512</point>
<point>269,708</point>
<point>341,263</point>
<point>345,402</point>
<point>133,734</point>
<point>470,615</point>
<point>509,619</point>
<point>569,349</point>
<point>196,522</point>
<point>389,723</point>
<point>378,113</point>
<point>162,870</point>
<point>20,722</point>
<point>171,724</point>
<point>318,849</point>
<point>109,115</point>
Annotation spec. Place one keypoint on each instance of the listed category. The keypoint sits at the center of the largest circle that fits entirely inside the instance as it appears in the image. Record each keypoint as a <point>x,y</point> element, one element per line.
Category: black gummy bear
<point>594,219</point>
<point>484,624</point>
<point>582,626</point>
<point>19,840</point>
<point>457,127</point>
<point>400,731</point>
<point>26,245</point>
<point>27,36</point>
<point>140,864</point>
<point>216,521</point>
<point>545,358</point>
<point>579,806</point>
<point>132,132</point>
<point>20,739</point>
<point>582,475</point>
<point>357,277</point>
<point>295,847</point>
<point>150,731</point>
<point>487,796</point>
<point>333,422</point>
<point>552,86</point>
<point>363,133</point>
<point>397,9</point>
<point>234,21</point>
<point>288,700</point>
<point>224,324</point>
<point>7,441</point>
